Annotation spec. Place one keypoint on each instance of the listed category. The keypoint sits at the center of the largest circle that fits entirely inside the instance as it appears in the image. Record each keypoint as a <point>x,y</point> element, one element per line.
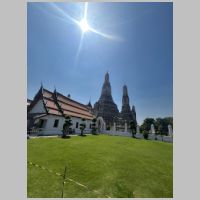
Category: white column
<point>170,131</point>
<point>114,126</point>
<point>138,129</point>
<point>125,127</point>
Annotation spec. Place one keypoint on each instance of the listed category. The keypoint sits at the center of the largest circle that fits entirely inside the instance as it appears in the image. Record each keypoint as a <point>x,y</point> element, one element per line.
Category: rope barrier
<point>65,178</point>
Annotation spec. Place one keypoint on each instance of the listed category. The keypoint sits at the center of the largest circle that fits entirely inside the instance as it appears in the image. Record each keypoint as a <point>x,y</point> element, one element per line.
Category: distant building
<point>47,110</point>
<point>107,109</point>
<point>127,114</point>
<point>105,106</point>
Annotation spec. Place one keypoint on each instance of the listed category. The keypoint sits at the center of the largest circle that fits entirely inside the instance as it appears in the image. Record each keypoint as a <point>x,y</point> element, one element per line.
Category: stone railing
<point>117,133</point>
<point>139,135</point>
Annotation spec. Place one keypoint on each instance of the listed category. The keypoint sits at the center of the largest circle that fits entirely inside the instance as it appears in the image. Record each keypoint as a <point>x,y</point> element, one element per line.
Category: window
<point>76,124</point>
<point>56,123</point>
<point>42,123</point>
<point>90,126</point>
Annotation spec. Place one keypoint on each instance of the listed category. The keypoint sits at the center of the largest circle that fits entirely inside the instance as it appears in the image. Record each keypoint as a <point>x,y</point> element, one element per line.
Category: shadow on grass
<point>65,137</point>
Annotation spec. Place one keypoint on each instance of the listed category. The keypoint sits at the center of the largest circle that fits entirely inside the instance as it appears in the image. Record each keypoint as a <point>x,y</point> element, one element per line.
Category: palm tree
<point>82,127</point>
<point>66,127</point>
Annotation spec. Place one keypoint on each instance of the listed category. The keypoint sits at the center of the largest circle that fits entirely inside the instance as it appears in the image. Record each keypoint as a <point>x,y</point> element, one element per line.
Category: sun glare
<point>84,25</point>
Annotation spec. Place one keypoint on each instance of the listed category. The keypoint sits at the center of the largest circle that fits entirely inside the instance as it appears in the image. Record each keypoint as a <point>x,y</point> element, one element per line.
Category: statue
<point>114,126</point>
<point>125,127</point>
<point>138,129</point>
<point>152,129</point>
<point>170,131</point>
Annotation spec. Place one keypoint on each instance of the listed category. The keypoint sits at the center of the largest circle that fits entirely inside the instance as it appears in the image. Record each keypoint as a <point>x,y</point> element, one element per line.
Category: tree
<point>145,134</point>
<point>66,127</point>
<point>94,128</point>
<point>146,126</point>
<point>166,122</point>
<point>133,127</point>
<point>161,125</point>
<point>82,126</point>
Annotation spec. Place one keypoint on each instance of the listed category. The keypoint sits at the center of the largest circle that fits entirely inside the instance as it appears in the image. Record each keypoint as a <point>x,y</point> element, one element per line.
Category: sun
<point>84,25</point>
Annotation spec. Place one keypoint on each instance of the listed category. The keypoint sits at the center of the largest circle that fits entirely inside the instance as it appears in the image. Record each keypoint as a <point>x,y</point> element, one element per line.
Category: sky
<point>132,41</point>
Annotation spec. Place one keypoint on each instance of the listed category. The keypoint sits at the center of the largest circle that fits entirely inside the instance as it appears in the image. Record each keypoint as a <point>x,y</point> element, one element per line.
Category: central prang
<point>107,109</point>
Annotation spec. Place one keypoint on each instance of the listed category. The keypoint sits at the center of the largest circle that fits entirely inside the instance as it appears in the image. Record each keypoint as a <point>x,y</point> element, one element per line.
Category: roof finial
<point>89,103</point>
<point>54,88</point>
<point>40,90</point>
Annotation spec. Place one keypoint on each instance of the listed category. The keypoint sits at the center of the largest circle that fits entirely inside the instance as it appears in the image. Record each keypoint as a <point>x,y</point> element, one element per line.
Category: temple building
<point>107,109</point>
<point>127,114</point>
<point>47,111</point>
<point>105,106</point>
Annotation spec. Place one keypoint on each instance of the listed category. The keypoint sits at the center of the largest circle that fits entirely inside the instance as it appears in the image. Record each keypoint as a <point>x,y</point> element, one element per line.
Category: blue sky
<point>138,52</point>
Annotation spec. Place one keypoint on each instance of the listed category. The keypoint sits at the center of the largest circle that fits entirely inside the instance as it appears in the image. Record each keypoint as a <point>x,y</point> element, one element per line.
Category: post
<point>125,127</point>
<point>114,127</point>
<point>63,181</point>
<point>138,129</point>
<point>170,131</point>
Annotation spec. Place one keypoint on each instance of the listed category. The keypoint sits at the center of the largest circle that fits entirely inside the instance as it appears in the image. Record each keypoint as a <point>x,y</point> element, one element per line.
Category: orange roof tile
<point>75,110</point>
<point>68,106</point>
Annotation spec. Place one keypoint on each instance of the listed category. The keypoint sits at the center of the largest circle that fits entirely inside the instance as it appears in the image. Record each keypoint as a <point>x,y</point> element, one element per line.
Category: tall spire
<point>105,106</point>
<point>106,89</point>
<point>125,98</point>
<point>126,112</point>
<point>107,77</point>
<point>125,91</point>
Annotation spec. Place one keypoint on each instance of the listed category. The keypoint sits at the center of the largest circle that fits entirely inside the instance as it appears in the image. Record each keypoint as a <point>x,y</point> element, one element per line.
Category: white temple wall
<point>50,129</point>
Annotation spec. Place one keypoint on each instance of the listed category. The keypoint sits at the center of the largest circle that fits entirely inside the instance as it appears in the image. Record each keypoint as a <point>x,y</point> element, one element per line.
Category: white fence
<point>118,133</point>
<point>139,135</point>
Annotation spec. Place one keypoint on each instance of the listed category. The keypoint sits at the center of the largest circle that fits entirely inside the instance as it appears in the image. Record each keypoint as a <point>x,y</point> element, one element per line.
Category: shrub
<point>132,126</point>
<point>108,128</point>
<point>145,133</point>
<point>66,127</point>
<point>82,127</point>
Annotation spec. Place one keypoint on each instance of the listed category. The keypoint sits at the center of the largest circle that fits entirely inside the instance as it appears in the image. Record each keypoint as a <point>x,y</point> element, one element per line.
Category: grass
<point>115,166</point>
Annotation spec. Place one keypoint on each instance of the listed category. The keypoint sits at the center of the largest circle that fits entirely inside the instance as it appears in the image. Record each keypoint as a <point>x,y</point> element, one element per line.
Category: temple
<point>105,106</point>
<point>127,114</point>
<point>47,112</point>
<point>107,109</point>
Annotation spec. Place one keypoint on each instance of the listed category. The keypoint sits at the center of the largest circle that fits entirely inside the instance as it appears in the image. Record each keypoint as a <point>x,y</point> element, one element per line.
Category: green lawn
<point>112,165</point>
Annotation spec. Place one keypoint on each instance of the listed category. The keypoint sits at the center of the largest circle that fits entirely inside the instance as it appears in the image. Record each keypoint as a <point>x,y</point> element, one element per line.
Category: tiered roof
<point>57,104</point>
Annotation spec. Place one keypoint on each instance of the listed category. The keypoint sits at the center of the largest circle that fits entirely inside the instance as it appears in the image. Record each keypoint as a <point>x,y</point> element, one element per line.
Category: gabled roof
<point>58,104</point>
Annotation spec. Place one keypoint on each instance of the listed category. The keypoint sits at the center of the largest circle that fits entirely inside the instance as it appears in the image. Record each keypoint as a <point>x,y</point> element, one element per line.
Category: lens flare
<point>84,25</point>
